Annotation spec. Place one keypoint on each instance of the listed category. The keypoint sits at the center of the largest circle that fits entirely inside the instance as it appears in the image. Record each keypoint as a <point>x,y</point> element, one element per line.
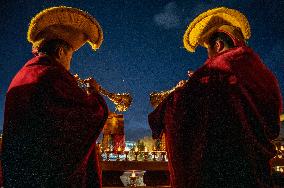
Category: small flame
<point>133,174</point>
<point>119,148</point>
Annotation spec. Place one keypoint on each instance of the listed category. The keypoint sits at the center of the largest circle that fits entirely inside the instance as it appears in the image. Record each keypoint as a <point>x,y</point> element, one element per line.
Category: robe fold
<point>219,126</point>
<point>50,129</point>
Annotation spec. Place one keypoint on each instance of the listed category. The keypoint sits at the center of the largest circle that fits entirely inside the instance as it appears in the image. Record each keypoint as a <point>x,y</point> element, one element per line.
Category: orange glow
<point>133,174</point>
<point>282,117</point>
<point>119,148</point>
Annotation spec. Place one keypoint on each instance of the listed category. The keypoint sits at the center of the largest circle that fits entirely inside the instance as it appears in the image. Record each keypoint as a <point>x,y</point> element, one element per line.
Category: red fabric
<point>119,141</point>
<point>50,129</point>
<point>219,126</point>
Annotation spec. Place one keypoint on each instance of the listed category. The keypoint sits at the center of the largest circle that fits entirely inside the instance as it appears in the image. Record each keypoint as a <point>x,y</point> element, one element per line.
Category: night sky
<point>142,49</point>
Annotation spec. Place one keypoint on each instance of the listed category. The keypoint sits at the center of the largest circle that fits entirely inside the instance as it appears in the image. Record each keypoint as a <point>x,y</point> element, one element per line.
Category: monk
<point>220,123</point>
<point>51,125</point>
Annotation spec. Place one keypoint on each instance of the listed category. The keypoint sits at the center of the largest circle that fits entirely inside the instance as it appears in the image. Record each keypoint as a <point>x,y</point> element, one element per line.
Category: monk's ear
<point>219,46</point>
<point>60,52</point>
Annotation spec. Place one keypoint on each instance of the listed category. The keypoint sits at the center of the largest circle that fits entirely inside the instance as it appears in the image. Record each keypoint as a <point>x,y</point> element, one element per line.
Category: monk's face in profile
<point>65,57</point>
<point>211,51</point>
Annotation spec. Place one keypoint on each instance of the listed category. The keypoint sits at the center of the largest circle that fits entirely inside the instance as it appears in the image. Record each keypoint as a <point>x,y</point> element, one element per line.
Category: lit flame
<point>146,150</point>
<point>119,148</point>
<point>280,169</point>
<point>133,174</point>
<point>282,117</point>
<point>136,149</point>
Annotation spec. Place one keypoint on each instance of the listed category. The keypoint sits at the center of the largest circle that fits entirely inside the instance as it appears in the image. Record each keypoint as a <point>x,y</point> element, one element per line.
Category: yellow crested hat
<point>222,19</point>
<point>72,25</point>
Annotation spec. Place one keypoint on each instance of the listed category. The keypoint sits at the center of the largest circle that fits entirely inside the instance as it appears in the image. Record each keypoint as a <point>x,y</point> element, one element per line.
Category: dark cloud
<point>169,17</point>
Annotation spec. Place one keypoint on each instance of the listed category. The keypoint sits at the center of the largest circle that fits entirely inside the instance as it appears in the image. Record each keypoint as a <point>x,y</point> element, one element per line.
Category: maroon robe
<point>219,126</point>
<point>50,129</point>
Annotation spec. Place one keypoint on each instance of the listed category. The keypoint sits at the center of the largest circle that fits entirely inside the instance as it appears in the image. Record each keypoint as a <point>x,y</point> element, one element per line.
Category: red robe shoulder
<point>50,128</point>
<point>219,126</point>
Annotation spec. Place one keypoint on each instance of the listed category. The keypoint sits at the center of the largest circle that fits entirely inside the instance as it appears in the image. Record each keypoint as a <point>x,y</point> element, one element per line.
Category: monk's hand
<point>190,73</point>
<point>92,85</point>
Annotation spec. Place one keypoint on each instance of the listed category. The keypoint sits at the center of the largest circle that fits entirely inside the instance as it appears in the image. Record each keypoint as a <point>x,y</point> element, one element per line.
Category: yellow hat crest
<point>222,18</point>
<point>72,25</point>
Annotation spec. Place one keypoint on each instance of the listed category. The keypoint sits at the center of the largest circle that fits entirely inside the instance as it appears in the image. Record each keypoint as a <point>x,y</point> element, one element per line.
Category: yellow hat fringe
<point>211,18</point>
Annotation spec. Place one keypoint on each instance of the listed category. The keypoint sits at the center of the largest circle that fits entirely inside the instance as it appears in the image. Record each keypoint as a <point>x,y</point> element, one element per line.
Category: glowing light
<point>119,148</point>
<point>133,174</point>
<point>282,117</point>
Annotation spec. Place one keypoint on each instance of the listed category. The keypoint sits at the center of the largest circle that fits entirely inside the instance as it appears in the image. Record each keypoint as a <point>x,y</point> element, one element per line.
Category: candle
<point>146,154</point>
<point>133,174</point>
<point>136,153</point>
<point>119,148</point>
